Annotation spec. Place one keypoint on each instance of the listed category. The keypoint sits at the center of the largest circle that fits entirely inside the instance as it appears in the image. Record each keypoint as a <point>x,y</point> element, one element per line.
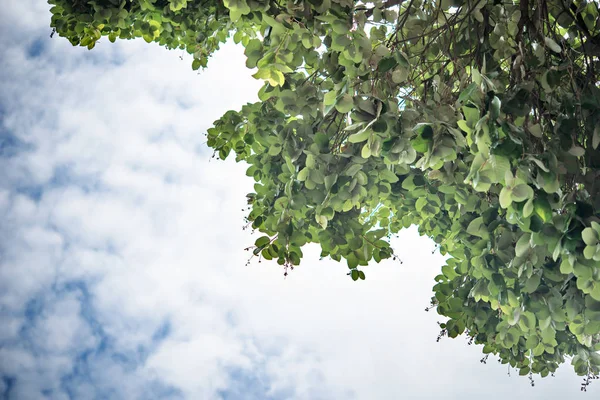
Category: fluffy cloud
<point>122,270</point>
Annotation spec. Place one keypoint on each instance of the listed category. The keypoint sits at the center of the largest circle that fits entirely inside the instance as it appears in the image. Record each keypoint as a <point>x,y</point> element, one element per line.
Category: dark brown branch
<point>386,5</point>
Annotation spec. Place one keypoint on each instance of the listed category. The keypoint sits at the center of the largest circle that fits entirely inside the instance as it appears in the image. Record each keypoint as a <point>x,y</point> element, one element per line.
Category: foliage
<point>477,121</point>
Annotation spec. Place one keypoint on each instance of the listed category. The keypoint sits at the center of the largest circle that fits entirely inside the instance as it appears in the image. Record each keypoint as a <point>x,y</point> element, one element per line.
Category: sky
<point>122,266</point>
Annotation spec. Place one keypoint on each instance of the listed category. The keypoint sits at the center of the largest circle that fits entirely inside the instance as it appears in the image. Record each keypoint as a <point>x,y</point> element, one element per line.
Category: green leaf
<point>237,8</point>
<point>355,275</point>
<point>424,130</point>
<point>359,137</point>
<point>566,267</point>
<point>499,166</point>
<point>527,322</point>
<point>275,149</point>
<point>422,202</point>
<point>321,140</point>
<point>253,52</point>
<point>328,213</point>
<point>539,164</point>
<point>557,250</point>
<point>596,137</point>
<point>316,176</point>
<point>262,241</point>
<point>589,252</point>
<point>582,271</point>
<point>595,293</point>
<point>478,228</point>
<point>322,220</point>
<point>495,108</point>
<point>366,151</point>
<point>577,151</point>
<point>196,64</point>
<point>388,176</point>
<point>552,45</point>
<point>514,317</point>
<point>589,236</point>
<point>329,98</point>
<point>528,208</point>
<point>468,92</point>
<point>399,75</point>
<point>536,130</point>
<point>344,104</point>
<point>386,64</point>
<point>420,144</point>
<point>543,209</point>
<point>476,76</point>
<point>595,359</point>
<point>303,174</point>
<point>505,197</point>
<point>329,181</point>
<point>462,124</point>
<point>523,245</point>
<point>532,283</point>
<point>353,169</point>
<point>521,192</point>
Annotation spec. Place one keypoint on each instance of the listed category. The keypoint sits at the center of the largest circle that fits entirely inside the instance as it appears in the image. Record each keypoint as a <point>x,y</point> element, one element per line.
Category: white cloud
<point>122,271</point>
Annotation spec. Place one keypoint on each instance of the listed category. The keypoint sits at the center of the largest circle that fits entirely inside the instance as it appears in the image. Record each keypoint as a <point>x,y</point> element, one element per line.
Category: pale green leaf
<point>536,130</point>
<point>477,228</point>
<point>528,208</point>
<point>521,192</point>
<point>523,245</point>
<point>359,137</point>
<point>366,151</point>
<point>344,104</point>
<point>552,45</point>
<point>462,124</point>
<point>399,75</point>
<point>589,252</point>
<point>590,236</point>
<point>577,151</point>
<point>505,197</point>
<point>303,174</point>
<point>329,98</point>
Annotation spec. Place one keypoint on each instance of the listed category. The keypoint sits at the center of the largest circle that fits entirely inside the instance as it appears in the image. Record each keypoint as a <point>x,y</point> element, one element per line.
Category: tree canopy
<point>477,121</point>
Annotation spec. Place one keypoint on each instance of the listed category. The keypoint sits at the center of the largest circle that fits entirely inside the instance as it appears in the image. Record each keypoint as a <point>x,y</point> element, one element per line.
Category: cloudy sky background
<point>122,269</point>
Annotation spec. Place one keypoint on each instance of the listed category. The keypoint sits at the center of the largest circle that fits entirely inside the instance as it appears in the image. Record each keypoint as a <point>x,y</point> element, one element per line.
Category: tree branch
<point>591,46</point>
<point>387,4</point>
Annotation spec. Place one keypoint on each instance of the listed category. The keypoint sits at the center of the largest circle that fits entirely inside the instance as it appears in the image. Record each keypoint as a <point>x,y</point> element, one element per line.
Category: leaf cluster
<point>477,121</point>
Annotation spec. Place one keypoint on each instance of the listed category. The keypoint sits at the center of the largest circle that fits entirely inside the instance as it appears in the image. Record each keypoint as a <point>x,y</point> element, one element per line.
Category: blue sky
<point>122,270</point>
